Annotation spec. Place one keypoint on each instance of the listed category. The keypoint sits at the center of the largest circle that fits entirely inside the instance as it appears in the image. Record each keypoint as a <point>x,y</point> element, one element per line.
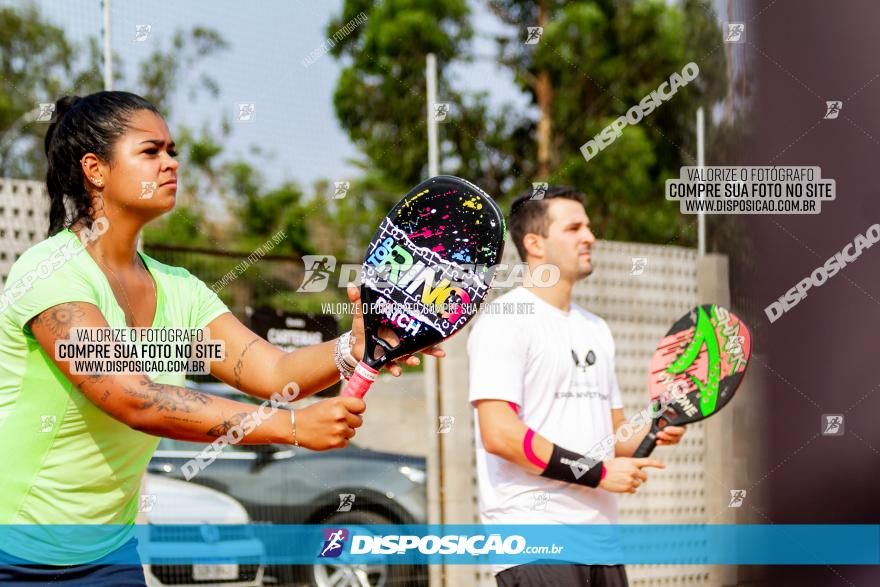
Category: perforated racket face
<point>429,265</point>
<point>699,364</point>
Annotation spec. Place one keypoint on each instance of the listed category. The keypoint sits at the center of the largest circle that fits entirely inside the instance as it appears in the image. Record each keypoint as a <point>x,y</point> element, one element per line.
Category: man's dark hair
<point>529,215</point>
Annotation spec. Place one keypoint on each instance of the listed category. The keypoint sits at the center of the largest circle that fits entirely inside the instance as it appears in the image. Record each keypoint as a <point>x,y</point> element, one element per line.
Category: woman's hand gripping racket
<point>426,271</point>
<point>696,369</point>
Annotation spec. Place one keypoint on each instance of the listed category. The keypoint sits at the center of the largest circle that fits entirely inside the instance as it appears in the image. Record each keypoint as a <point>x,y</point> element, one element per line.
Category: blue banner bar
<point>697,544</point>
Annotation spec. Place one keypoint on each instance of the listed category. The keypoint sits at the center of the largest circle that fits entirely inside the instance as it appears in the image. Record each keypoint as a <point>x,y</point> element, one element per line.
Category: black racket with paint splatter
<point>426,271</point>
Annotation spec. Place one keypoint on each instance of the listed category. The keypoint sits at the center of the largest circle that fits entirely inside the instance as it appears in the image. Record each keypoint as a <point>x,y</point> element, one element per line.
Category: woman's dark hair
<point>89,124</point>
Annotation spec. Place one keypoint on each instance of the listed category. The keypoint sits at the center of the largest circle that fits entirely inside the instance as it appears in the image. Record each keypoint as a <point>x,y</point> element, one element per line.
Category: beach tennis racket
<point>426,271</point>
<point>696,369</point>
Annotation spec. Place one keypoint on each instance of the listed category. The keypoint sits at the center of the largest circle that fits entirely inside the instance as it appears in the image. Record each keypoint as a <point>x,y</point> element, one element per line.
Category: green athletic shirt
<point>64,460</point>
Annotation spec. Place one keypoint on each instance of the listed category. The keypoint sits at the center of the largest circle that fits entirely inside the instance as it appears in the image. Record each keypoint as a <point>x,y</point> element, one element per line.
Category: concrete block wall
<point>24,219</point>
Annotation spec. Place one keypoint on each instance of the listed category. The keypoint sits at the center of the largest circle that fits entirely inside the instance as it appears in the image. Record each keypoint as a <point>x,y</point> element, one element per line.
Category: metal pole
<point>108,52</point>
<point>431,78</point>
<point>433,407</point>
<point>701,162</point>
<point>108,74</point>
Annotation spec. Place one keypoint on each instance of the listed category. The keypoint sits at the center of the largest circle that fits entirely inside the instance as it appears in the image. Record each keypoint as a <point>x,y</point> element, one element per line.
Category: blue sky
<point>268,41</point>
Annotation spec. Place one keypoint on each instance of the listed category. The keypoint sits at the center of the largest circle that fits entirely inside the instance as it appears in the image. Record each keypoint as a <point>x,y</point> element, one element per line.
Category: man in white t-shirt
<point>543,386</point>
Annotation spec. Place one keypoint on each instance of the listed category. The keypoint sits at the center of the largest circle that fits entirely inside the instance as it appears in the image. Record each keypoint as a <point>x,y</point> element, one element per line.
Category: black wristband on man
<point>568,466</point>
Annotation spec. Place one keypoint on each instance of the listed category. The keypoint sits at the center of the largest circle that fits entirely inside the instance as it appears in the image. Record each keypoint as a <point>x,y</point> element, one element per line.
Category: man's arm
<point>504,435</point>
<point>185,414</point>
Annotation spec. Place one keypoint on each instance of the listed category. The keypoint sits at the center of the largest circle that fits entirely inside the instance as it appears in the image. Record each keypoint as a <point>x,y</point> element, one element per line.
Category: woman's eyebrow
<point>157,142</point>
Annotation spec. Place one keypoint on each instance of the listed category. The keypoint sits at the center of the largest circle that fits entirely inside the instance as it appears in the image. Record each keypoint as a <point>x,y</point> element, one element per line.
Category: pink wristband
<point>530,454</point>
<point>527,442</point>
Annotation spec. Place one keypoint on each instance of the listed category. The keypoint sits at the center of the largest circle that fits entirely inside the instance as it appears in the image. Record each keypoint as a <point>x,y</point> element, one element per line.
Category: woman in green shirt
<point>75,446</point>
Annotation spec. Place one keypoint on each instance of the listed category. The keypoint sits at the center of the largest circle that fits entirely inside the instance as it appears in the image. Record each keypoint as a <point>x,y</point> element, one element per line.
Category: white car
<point>192,519</point>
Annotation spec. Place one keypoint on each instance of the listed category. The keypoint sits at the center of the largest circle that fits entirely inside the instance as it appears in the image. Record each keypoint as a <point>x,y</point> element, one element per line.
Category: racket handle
<point>360,382</point>
<point>647,446</point>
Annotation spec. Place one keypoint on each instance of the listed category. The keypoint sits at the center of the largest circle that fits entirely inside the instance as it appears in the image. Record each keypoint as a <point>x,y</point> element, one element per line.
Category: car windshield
<point>171,444</point>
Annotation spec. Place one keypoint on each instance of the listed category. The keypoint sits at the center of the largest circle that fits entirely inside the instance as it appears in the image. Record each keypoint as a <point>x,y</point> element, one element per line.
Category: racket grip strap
<point>360,382</point>
<point>646,447</point>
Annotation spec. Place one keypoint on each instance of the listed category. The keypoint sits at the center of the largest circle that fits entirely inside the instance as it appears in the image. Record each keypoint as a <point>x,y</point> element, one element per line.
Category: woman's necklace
<point>122,287</point>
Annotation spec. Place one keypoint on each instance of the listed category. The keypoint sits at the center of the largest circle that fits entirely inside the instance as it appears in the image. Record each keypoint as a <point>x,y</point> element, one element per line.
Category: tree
<point>594,61</point>
<point>380,95</point>
<point>210,175</point>
<point>161,73</point>
<point>380,102</point>
<point>38,65</point>
<point>344,226</point>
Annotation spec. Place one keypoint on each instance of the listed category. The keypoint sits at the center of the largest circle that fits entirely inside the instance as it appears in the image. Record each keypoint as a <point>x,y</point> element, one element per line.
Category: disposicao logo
<point>334,542</point>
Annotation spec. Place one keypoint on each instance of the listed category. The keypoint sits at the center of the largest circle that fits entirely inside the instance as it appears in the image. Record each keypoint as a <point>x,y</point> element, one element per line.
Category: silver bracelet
<point>343,356</point>
<point>347,347</point>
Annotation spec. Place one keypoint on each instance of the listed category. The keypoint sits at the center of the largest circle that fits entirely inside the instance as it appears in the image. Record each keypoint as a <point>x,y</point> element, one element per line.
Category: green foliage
<point>279,209</point>
<point>38,64</point>
<point>181,227</point>
<point>379,99</point>
<point>352,220</point>
<point>601,58</point>
<point>161,73</point>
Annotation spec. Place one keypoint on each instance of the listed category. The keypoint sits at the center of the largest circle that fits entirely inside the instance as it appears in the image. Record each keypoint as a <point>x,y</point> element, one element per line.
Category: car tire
<point>377,575</point>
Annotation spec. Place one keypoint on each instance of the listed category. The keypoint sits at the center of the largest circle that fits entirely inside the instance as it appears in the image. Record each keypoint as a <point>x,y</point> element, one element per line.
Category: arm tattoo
<point>167,398</point>
<point>60,319</point>
<point>239,365</point>
<point>94,378</point>
<point>180,419</point>
<point>228,423</point>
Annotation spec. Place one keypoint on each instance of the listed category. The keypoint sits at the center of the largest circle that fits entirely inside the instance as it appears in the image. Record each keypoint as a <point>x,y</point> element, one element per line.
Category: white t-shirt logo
<point>585,380</point>
<point>589,359</point>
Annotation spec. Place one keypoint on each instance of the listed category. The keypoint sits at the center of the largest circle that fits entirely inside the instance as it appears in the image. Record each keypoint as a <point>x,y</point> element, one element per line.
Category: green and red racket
<point>426,271</point>
<point>696,369</point>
